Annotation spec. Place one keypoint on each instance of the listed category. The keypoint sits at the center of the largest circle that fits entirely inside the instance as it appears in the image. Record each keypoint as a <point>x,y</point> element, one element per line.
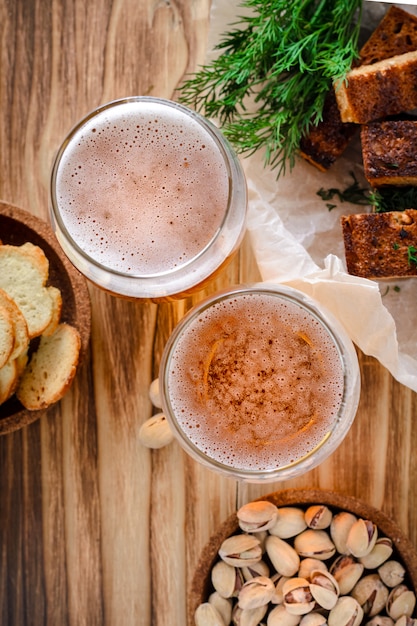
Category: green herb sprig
<point>282,58</point>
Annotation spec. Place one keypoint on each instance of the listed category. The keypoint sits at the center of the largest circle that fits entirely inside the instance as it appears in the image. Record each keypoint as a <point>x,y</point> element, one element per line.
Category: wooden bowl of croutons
<point>45,319</point>
<point>305,556</point>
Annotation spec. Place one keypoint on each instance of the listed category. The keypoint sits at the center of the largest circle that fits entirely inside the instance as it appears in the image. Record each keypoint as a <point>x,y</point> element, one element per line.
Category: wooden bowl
<point>403,549</point>
<point>17,227</point>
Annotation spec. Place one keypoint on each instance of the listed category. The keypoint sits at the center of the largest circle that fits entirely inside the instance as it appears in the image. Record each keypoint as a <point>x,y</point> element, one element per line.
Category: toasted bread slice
<point>51,369</point>
<point>381,245</point>
<point>21,333</point>
<point>389,150</point>
<point>7,335</point>
<point>395,34</point>
<point>373,92</point>
<point>8,379</point>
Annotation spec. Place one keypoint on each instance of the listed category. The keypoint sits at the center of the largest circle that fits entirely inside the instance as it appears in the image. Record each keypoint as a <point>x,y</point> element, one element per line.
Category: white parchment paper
<point>297,241</point>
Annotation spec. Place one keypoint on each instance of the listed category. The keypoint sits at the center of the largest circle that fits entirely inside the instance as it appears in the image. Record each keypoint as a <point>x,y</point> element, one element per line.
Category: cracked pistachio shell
<point>401,601</point>
<point>346,612</point>
<point>278,581</point>
<point>339,530</point>
<point>241,550</point>
<point>256,592</point>
<point>315,543</point>
<point>298,599</point>
<point>257,569</point>
<point>318,516</point>
<point>156,432</point>
<point>248,617</point>
<point>380,620</point>
<point>324,589</point>
<point>223,605</point>
<point>309,565</point>
<point>405,620</point>
<point>371,593</point>
<point>362,537</point>
<point>392,573</point>
<point>207,615</point>
<point>313,619</point>
<point>347,571</point>
<point>154,395</point>
<point>380,553</point>
<point>257,516</point>
<point>224,578</point>
<point>290,522</point>
<point>279,616</point>
<point>283,556</point>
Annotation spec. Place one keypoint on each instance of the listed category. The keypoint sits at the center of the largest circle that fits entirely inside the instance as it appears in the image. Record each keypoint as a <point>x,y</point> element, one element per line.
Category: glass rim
<point>343,419</point>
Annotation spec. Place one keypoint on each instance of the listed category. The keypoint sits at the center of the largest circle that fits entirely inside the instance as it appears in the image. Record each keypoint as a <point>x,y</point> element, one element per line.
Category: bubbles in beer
<point>142,188</point>
<point>256,382</point>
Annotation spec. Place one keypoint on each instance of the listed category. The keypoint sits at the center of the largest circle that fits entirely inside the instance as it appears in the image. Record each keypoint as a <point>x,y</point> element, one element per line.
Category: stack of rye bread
<point>38,352</point>
<point>377,97</point>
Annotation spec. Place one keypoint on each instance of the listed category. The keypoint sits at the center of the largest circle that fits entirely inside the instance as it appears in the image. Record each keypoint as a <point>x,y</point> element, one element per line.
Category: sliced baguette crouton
<point>7,335</point>
<point>21,333</point>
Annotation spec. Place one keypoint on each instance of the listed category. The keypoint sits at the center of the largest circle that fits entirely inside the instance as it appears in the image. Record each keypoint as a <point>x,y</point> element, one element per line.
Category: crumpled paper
<point>297,241</point>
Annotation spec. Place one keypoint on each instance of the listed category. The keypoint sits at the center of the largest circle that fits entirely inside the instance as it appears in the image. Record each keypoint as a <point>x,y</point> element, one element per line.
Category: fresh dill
<point>282,58</point>
<point>394,199</point>
<point>412,255</point>
<point>354,193</point>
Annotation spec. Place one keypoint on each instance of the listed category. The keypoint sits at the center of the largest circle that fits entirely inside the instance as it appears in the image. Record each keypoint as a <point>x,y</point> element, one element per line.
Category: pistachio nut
<point>318,516</point>
<point>282,555</point>
<point>248,617</point>
<point>154,395</point>
<point>298,599</point>
<point>156,432</point>
<point>223,605</point>
<point>346,612</point>
<point>404,620</point>
<point>314,543</point>
<point>290,522</point>
<point>392,573</point>
<point>279,616</point>
<point>257,569</point>
<point>256,592</point>
<point>309,565</point>
<point>207,615</point>
<point>362,537</point>
<point>278,581</point>
<point>339,529</point>
<point>347,571</point>
<point>380,620</point>
<point>241,550</point>
<point>401,601</point>
<point>324,589</point>
<point>380,553</point>
<point>256,516</point>
<point>226,579</point>
<point>313,619</point>
<point>371,593</point>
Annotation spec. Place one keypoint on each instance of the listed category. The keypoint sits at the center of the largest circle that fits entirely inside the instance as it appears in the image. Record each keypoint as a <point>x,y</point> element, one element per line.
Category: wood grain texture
<point>94,528</point>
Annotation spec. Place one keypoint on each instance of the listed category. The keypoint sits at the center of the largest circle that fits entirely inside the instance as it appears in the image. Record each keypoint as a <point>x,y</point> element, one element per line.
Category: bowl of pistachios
<point>307,558</point>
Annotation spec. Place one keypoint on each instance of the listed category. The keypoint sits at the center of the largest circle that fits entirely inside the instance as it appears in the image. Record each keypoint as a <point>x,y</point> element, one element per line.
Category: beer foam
<point>256,383</point>
<point>142,188</point>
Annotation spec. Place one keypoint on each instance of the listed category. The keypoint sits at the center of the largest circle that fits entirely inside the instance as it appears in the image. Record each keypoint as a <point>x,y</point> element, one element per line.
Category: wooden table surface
<point>94,528</point>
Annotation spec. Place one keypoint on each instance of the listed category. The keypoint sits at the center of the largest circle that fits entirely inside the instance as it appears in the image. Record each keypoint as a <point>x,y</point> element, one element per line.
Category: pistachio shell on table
<point>256,592</point>
<point>223,605</point>
<point>248,617</point>
<point>257,515</point>
<point>346,612</point>
<point>401,601</point>
<point>371,593</point>
<point>314,543</point>
<point>340,527</point>
<point>324,589</point>
<point>392,573</point>
<point>313,619</point>
<point>362,537</point>
<point>241,550</point>
<point>207,615</point>
<point>155,432</point>
<point>297,597</point>
<point>308,565</point>
<point>282,556</point>
<point>380,553</point>
<point>290,522</point>
<point>347,571</point>
<point>154,394</point>
<point>318,516</point>
<point>226,579</point>
<point>279,616</point>
<point>380,620</point>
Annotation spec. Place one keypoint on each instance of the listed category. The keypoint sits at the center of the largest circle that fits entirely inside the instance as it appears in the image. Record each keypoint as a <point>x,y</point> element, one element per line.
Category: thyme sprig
<point>282,59</point>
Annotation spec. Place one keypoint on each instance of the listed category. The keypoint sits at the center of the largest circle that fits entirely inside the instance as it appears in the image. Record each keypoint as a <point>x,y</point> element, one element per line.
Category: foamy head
<point>255,383</point>
<point>142,188</point>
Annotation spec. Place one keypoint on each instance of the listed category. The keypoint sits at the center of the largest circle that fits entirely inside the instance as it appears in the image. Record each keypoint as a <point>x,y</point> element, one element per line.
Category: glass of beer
<point>147,198</point>
<point>259,382</point>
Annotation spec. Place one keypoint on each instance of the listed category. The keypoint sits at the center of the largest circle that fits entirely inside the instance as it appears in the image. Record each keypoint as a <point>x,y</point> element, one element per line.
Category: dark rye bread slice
<point>325,142</point>
<point>389,152</point>
<point>381,245</point>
